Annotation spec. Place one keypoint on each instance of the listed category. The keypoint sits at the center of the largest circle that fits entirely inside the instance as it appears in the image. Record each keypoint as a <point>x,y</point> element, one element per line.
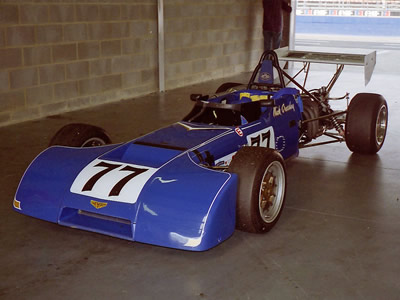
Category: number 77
<point>115,191</point>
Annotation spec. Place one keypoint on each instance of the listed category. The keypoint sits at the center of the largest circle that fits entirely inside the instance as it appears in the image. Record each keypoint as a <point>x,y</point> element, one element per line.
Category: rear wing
<point>368,60</point>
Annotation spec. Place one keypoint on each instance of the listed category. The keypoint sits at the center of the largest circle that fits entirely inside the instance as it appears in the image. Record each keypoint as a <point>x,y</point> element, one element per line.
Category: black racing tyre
<point>366,123</point>
<point>261,188</point>
<point>310,111</point>
<point>227,86</point>
<point>80,135</point>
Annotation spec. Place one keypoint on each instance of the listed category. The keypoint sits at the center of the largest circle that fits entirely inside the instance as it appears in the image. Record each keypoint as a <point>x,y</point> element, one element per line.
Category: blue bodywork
<point>166,188</point>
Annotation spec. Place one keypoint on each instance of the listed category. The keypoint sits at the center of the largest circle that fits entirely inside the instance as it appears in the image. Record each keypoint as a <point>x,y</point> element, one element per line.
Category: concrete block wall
<point>210,39</point>
<point>63,55</point>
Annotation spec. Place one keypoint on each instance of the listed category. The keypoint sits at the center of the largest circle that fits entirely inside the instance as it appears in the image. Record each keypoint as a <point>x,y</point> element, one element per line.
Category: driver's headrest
<point>266,74</point>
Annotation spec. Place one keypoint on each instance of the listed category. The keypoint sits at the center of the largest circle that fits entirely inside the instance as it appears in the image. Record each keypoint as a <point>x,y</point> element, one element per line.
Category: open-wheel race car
<point>189,185</point>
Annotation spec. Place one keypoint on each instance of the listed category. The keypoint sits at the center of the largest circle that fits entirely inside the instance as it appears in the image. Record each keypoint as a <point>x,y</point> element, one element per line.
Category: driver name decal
<point>280,110</point>
<point>112,181</point>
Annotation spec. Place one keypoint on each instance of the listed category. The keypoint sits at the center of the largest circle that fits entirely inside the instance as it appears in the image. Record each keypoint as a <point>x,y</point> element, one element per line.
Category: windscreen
<point>213,116</point>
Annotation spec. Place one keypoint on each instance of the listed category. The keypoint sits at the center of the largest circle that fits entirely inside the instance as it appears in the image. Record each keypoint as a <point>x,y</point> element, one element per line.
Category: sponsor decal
<point>17,204</point>
<point>280,143</point>
<point>221,163</point>
<point>280,110</point>
<point>225,161</point>
<point>245,95</point>
<point>164,181</point>
<point>97,204</point>
<point>238,131</point>
<point>265,76</point>
<point>254,98</point>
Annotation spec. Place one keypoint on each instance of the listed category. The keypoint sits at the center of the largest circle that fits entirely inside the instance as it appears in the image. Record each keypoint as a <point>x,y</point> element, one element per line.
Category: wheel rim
<point>381,125</point>
<point>272,192</point>
<point>93,142</point>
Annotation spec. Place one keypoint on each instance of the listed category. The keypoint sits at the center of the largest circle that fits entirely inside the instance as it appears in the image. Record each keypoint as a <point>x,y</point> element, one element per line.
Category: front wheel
<point>261,188</point>
<point>366,123</point>
<point>80,135</point>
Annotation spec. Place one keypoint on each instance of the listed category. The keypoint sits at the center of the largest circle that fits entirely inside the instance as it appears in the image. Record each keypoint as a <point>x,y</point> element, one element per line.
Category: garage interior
<point>337,237</point>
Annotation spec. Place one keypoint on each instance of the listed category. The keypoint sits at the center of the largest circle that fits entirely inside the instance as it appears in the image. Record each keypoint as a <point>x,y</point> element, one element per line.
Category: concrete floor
<point>338,237</point>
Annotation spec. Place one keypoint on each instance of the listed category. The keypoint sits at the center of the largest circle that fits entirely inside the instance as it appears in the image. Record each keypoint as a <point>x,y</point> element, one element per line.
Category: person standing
<point>272,22</point>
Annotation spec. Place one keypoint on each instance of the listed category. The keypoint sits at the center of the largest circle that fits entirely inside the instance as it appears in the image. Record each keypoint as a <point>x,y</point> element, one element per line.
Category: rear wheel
<point>366,123</point>
<point>310,111</point>
<point>80,135</point>
<point>261,188</point>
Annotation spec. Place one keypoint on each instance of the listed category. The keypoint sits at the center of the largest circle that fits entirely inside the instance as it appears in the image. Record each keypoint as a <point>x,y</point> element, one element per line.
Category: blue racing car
<point>189,185</point>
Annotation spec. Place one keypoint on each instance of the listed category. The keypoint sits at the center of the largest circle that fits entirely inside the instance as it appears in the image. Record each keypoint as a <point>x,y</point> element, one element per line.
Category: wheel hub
<point>93,142</point>
<point>267,192</point>
<point>271,192</point>
<point>381,125</point>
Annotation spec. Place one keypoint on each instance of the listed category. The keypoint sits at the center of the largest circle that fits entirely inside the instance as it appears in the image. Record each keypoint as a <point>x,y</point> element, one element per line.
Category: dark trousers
<point>272,40</point>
